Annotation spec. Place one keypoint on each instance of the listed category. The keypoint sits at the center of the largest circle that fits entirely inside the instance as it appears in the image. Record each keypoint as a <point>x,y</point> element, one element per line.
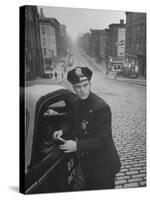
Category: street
<point>128,105</point>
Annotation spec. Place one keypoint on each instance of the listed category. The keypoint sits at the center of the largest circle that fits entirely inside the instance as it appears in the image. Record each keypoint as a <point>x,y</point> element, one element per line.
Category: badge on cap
<point>78,71</point>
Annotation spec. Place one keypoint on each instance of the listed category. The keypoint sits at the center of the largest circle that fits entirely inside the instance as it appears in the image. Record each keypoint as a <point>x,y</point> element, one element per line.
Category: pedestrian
<point>116,75</point>
<point>94,144</point>
<point>107,73</point>
<point>56,75</point>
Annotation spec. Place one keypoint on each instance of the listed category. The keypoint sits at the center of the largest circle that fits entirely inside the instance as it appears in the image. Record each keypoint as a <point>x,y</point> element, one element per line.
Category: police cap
<point>79,74</point>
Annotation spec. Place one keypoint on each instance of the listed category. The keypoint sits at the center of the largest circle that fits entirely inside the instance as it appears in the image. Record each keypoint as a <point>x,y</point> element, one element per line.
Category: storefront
<point>136,64</point>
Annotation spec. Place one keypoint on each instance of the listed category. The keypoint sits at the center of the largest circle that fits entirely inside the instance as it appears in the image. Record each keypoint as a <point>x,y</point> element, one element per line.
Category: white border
<point>9,137</point>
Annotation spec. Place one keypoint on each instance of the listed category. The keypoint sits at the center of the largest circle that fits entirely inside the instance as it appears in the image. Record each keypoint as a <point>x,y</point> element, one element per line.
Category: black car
<point>46,168</point>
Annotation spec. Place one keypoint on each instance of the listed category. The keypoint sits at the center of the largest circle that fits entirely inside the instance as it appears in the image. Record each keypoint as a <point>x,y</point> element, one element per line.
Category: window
<point>44,51</point>
<point>58,104</point>
<point>43,30</point>
<point>137,46</point>
<point>44,41</point>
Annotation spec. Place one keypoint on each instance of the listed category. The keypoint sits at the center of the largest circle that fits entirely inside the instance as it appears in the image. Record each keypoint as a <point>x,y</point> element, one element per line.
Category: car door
<point>30,184</point>
<point>54,170</point>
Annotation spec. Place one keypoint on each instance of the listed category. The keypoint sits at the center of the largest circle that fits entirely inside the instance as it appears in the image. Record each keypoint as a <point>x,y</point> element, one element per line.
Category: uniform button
<point>82,154</point>
<point>85,132</point>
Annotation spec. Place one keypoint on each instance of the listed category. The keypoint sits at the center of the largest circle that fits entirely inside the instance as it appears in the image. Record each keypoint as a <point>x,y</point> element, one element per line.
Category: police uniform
<point>95,147</point>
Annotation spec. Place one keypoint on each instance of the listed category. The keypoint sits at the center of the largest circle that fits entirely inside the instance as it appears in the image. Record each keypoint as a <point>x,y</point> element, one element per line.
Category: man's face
<point>82,89</point>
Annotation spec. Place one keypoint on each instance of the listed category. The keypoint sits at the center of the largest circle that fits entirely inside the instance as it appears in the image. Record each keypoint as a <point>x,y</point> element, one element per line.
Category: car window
<point>58,104</point>
<point>52,116</point>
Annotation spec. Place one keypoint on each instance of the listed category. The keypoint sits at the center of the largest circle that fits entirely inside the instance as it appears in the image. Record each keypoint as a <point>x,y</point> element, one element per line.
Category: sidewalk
<point>111,75</point>
<point>138,81</point>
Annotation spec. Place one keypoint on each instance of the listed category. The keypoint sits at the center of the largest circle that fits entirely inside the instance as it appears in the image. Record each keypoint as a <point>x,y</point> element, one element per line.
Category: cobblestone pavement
<point>128,126</point>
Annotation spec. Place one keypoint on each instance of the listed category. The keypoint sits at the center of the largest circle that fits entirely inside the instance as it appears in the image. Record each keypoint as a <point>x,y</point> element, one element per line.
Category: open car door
<point>54,169</point>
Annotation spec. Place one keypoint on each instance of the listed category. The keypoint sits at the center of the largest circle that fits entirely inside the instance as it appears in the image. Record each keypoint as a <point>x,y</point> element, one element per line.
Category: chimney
<point>41,13</point>
<point>121,21</point>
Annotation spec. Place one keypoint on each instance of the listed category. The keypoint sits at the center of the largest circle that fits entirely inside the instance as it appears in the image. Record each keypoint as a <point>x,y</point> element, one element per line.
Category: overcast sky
<point>79,21</point>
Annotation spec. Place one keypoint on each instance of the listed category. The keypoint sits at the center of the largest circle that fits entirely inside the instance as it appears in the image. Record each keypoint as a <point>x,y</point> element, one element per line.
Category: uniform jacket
<point>95,146</point>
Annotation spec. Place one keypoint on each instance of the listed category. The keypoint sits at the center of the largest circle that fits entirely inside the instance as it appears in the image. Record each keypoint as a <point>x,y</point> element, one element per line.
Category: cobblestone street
<point>128,125</point>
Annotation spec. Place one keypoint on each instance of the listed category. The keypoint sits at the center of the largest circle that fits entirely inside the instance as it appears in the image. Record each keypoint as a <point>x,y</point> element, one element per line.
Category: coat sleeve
<point>101,132</point>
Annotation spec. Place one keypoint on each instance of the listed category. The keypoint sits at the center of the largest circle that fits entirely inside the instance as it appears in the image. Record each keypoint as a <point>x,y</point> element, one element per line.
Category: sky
<point>80,20</point>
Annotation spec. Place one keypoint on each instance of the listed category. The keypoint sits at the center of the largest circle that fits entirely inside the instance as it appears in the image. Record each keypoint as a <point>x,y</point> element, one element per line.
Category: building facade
<point>84,42</point>
<point>94,42</point>
<point>102,46</point>
<point>63,40</point>
<point>135,52</point>
<point>115,46</point>
<point>116,39</point>
<point>48,39</point>
<point>54,40</point>
<point>33,53</point>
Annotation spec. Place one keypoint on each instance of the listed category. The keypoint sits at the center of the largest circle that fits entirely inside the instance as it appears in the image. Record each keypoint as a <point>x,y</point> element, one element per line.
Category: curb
<point>136,83</point>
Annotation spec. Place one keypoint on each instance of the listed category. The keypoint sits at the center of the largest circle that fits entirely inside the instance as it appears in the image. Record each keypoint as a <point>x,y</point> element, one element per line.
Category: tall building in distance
<point>63,40</point>
<point>116,39</point>
<point>135,52</point>
<point>48,39</point>
<point>102,45</point>
<point>53,39</point>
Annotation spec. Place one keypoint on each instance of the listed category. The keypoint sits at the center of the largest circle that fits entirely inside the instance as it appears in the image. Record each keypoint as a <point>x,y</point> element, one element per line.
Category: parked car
<point>129,72</point>
<point>48,73</point>
<point>46,168</point>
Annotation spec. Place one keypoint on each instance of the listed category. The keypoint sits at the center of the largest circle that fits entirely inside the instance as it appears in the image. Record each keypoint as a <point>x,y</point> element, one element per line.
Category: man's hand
<point>69,146</point>
<point>57,134</point>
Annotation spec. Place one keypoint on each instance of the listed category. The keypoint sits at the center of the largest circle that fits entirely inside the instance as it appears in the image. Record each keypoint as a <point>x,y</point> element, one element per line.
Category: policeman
<point>94,145</point>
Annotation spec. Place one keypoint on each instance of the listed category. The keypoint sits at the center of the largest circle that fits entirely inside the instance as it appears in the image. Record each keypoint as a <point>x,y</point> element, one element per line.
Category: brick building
<point>54,41</point>
<point>102,45</point>
<point>94,43</point>
<point>30,35</point>
<point>63,40</point>
<point>84,42</point>
<point>48,39</point>
<point>135,52</point>
<point>116,37</point>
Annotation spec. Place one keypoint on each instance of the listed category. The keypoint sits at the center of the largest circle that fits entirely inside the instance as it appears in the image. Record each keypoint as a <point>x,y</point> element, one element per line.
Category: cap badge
<point>78,71</point>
